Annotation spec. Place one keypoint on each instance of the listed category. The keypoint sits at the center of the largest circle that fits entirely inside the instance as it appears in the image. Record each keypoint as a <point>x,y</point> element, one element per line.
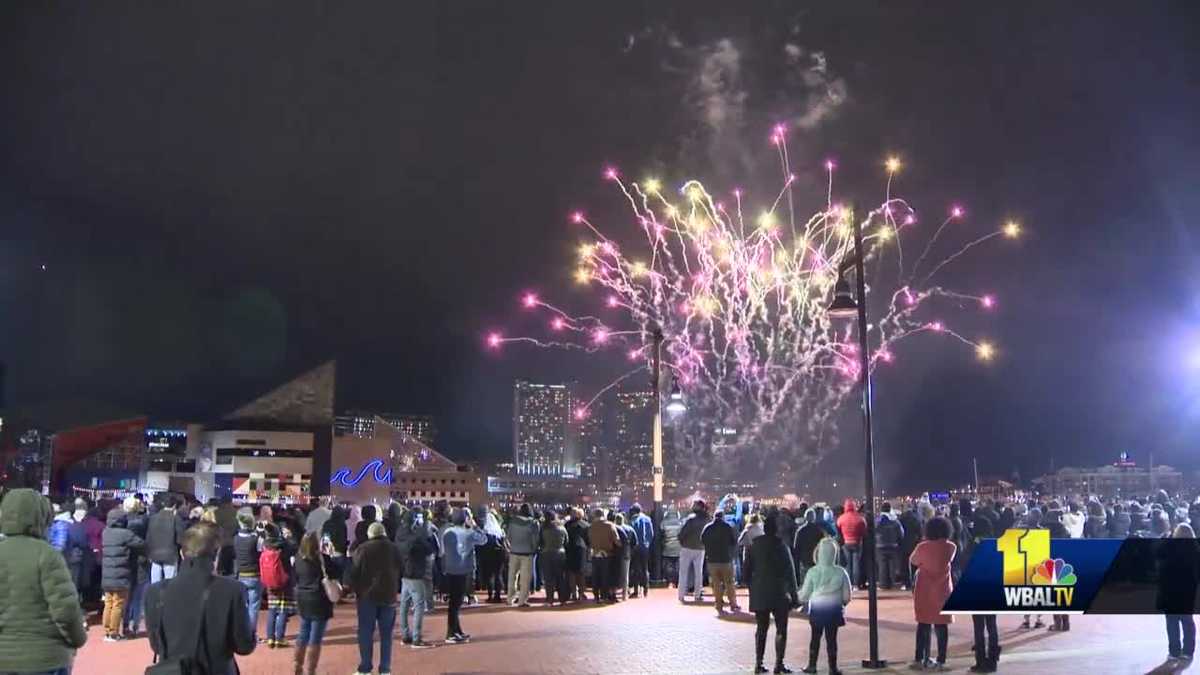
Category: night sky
<point>224,196</point>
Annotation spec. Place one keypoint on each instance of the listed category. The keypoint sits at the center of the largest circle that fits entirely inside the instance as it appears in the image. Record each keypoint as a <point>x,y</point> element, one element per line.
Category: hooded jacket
<point>522,533</point>
<point>719,539</point>
<point>693,527</point>
<point>60,531</point>
<point>118,570</point>
<point>826,585</point>
<point>889,532</point>
<point>851,524</point>
<point>415,545</point>
<point>41,624</point>
<point>773,585</point>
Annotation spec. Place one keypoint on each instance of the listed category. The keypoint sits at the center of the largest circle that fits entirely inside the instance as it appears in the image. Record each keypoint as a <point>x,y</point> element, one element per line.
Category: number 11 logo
<point>1023,551</point>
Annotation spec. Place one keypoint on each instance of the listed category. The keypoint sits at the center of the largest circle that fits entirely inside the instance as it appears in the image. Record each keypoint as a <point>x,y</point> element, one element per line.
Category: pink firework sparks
<point>741,296</point>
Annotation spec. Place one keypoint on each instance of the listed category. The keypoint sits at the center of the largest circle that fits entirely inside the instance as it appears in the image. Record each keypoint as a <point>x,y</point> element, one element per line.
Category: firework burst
<point>741,293</point>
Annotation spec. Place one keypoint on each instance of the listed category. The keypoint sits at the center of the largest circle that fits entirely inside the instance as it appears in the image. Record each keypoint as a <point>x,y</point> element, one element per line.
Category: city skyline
<point>183,245</point>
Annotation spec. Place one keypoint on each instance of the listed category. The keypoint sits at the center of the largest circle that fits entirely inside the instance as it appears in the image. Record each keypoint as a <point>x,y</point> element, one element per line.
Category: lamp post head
<point>844,304</point>
<point>675,404</point>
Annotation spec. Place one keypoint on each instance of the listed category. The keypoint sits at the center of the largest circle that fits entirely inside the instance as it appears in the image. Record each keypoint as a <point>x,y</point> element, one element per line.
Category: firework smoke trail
<point>741,298</point>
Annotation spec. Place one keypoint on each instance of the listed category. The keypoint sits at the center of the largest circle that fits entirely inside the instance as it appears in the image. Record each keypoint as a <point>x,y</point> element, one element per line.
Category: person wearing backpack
<point>214,627</point>
<point>275,570</point>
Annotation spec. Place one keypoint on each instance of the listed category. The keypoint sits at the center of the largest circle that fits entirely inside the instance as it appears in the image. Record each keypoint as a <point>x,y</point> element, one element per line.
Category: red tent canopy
<point>74,445</point>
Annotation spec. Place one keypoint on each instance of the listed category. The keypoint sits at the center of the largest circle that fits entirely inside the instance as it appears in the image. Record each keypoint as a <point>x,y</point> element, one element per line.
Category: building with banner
<point>275,447</point>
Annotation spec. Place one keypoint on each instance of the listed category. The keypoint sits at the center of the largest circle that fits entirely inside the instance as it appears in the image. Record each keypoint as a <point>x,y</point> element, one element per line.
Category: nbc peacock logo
<point>1032,578</point>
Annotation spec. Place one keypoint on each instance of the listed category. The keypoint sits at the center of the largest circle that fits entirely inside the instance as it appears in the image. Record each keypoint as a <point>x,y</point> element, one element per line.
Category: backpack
<point>270,566</point>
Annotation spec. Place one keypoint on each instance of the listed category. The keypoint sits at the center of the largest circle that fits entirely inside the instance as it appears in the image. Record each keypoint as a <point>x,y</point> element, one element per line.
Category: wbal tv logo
<point>1033,579</point>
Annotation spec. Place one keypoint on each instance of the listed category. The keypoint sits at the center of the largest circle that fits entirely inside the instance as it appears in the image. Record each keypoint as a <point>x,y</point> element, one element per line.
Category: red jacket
<point>851,524</point>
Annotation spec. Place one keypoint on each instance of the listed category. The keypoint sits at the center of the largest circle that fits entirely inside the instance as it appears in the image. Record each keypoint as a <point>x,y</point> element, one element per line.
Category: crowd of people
<point>128,561</point>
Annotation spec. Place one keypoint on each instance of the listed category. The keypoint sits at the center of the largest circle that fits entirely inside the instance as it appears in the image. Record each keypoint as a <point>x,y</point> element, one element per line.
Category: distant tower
<point>541,417</point>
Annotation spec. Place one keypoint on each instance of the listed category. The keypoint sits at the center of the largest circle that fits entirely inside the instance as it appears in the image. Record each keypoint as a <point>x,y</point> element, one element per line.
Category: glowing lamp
<point>844,304</point>
<point>675,404</point>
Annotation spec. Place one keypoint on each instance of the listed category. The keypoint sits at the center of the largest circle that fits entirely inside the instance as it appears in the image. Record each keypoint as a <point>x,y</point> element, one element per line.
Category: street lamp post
<point>657,479</point>
<point>847,304</point>
<point>675,406</point>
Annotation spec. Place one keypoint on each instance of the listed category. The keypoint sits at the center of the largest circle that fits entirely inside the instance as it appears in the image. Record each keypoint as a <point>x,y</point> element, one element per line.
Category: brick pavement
<point>658,635</point>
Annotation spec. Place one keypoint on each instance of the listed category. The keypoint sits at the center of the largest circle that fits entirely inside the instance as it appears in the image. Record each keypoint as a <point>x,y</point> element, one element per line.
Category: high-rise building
<point>361,424</point>
<point>631,456</point>
<point>541,420</point>
<point>586,443</point>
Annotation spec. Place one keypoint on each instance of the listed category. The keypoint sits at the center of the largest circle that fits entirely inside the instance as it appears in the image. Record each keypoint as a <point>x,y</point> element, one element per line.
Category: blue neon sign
<point>382,474</point>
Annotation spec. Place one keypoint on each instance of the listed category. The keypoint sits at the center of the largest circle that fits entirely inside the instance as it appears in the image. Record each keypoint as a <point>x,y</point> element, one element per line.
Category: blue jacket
<point>459,549</point>
<point>60,531</point>
<point>644,527</point>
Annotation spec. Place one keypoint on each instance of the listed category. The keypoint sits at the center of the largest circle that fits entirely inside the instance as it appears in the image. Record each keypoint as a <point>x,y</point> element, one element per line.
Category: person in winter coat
<point>605,544</point>
<point>118,572</point>
<point>639,562</point>
<point>853,529</point>
<point>1096,525</point>
<point>522,535</point>
<point>720,540</point>
<point>752,531</point>
<point>458,547</point>
<point>138,523</point>
<point>1118,527</point>
<point>163,535</point>
<point>60,531</point>
<point>42,622</point>
<point>360,529</point>
<point>414,545</point>
<point>1179,576</point>
<point>911,523</point>
<point>628,543</point>
<point>335,541</point>
<point>669,526</point>
<point>490,555</point>
<point>313,604</point>
<point>691,551</point>
<point>279,581</point>
<point>218,602</point>
<point>826,589</point>
<point>987,634</point>
<point>888,535</point>
<point>932,558</point>
<point>1073,519</point>
<point>773,593</point>
<point>552,556</point>
<point>78,552</point>
<point>577,552</point>
<point>375,577</point>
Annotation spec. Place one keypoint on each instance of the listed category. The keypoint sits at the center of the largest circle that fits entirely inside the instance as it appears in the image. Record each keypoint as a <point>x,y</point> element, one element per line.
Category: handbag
<point>179,665</point>
<point>332,587</point>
